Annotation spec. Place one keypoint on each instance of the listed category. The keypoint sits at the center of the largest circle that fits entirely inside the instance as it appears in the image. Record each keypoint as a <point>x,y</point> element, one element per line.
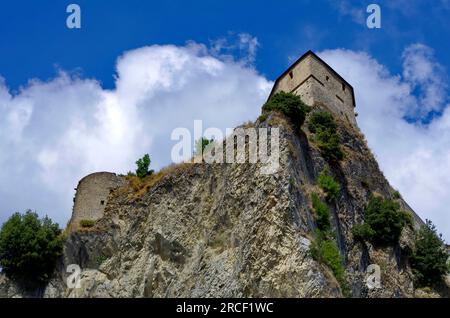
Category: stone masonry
<point>316,82</point>
<point>92,194</point>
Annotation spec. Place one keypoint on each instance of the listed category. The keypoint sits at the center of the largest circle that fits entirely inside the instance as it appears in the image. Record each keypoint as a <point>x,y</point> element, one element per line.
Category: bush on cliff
<point>383,222</point>
<point>29,248</point>
<point>321,121</point>
<point>330,186</point>
<point>324,128</point>
<point>326,251</point>
<point>322,213</point>
<point>324,248</point>
<point>429,258</point>
<point>288,104</point>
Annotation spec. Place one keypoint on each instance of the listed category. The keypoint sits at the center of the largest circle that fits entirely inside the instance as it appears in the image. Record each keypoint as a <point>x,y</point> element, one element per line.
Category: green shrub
<point>396,195</point>
<point>87,223</point>
<point>327,252</point>
<point>384,222</point>
<point>322,213</point>
<point>143,165</point>
<point>429,258</point>
<point>321,121</point>
<point>324,127</point>
<point>329,145</point>
<point>29,248</point>
<point>262,118</point>
<point>288,104</point>
<point>362,232</point>
<point>330,186</point>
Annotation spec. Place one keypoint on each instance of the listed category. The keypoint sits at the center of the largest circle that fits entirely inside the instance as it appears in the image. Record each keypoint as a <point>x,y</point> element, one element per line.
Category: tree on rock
<point>29,248</point>
<point>429,259</point>
<point>143,165</point>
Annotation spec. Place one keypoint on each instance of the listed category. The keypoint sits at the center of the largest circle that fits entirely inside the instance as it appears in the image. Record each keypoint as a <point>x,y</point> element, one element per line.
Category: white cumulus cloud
<point>413,156</point>
<point>53,133</point>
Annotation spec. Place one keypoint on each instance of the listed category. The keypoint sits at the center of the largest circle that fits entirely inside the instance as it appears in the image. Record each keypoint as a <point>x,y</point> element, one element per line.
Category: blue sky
<point>34,32</point>
<point>77,101</point>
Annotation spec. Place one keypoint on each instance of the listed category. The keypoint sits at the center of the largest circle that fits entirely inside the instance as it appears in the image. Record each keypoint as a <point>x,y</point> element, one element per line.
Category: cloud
<point>53,133</point>
<point>243,46</point>
<point>414,157</point>
<point>347,9</point>
<point>425,74</point>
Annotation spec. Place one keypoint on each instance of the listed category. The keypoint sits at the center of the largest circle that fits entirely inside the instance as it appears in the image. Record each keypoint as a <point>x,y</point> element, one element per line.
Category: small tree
<point>143,165</point>
<point>429,258</point>
<point>29,248</point>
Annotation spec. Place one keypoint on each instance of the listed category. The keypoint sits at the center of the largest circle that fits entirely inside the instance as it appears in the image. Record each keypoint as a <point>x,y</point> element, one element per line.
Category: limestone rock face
<point>229,230</point>
<point>8,289</point>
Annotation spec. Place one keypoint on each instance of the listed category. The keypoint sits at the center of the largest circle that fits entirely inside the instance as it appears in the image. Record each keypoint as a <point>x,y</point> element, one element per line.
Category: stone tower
<point>92,195</point>
<point>317,83</point>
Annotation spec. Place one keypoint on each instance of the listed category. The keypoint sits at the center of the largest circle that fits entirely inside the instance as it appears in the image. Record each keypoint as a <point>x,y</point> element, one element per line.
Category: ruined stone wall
<point>92,195</point>
<point>315,83</point>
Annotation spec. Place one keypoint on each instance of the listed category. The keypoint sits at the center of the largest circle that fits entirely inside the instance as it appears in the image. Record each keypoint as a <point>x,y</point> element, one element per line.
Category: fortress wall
<point>92,195</point>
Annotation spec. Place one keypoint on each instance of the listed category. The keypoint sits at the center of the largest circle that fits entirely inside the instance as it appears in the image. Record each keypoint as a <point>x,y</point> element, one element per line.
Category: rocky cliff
<point>228,230</point>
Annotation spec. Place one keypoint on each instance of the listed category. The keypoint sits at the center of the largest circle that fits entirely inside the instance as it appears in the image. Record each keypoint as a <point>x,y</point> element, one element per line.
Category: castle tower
<point>92,195</point>
<point>317,83</point>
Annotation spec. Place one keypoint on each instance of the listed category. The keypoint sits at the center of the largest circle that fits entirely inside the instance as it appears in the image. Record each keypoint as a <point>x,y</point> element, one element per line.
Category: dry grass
<point>87,223</point>
<point>140,186</point>
<point>248,124</point>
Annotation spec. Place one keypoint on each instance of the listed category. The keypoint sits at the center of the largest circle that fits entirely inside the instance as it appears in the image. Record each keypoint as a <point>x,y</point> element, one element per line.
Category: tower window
<point>327,77</point>
<point>102,202</point>
<point>291,75</point>
<point>343,86</point>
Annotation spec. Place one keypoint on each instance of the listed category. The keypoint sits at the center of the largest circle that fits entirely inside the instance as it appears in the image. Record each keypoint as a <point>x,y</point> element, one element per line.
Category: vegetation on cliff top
<point>29,248</point>
<point>142,167</point>
<point>288,104</point>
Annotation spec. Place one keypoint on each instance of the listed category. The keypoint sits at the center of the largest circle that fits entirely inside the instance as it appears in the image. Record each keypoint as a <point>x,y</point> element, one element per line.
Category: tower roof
<point>301,58</point>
